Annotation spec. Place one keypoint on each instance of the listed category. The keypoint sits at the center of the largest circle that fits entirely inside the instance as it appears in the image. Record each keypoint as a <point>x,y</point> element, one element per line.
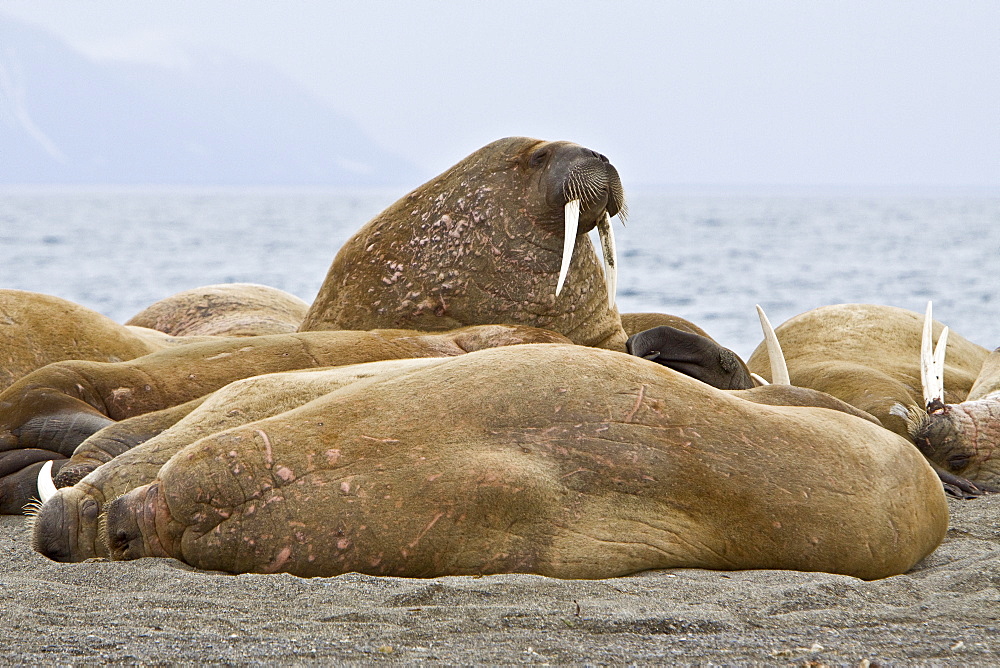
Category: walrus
<point>55,408</point>
<point>227,309</point>
<point>692,354</point>
<point>870,357</point>
<point>695,355</point>
<point>38,329</point>
<point>66,528</point>
<point>565,461</point>
<point>498,238</point>
<point>74,536</point>
<point>961,437</point>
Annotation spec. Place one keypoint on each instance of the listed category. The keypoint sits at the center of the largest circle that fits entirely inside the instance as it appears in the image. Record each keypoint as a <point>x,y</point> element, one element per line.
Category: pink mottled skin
<point>561,460</point>
<point>66,527</point>
<point>481,243</point>
<point>965,437</point>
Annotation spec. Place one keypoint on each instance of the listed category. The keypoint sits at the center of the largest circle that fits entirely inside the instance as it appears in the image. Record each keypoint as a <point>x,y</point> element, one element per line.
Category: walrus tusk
<point>932,362</point>
<point>610,259</point>
<point>779,368</point>
<point>46,487</point>
<point>572,212</point>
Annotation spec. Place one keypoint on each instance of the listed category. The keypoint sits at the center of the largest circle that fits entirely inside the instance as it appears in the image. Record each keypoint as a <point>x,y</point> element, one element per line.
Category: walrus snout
<point>693,355</point>
<point>127,533</point>
<point>959,438</point>
<point>590,191</point>
<point>62,522</point>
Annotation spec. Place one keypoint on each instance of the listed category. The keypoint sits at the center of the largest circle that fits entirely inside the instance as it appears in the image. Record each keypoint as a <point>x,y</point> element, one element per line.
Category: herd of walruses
<point>463,397</point>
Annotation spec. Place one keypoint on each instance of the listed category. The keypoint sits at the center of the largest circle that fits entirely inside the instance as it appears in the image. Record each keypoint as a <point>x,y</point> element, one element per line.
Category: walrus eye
<point>958,462</point>
<point>538,157</point>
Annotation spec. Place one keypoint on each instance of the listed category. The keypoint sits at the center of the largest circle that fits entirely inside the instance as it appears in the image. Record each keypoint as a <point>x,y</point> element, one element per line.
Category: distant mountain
<point>67,119</point>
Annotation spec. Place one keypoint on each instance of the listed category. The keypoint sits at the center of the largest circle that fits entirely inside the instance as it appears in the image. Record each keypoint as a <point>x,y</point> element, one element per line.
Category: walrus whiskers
<point>31,509</point>
<point>616,194</point>
<point>585,185</point>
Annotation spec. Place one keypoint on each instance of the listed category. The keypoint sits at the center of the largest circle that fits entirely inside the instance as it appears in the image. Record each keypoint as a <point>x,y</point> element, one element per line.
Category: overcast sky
<point>873,92</point>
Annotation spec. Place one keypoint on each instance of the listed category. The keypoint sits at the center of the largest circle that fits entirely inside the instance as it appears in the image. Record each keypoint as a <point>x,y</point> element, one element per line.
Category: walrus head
<point>586,186</point>
<point>962,438</point>
<point>493,240</point>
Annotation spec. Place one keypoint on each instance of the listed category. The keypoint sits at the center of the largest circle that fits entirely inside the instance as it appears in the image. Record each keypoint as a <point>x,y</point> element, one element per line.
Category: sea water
<point>706,257</point>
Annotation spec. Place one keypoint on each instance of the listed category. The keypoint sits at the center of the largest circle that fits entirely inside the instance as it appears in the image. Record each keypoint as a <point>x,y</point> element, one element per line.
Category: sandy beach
<point>156,611</point>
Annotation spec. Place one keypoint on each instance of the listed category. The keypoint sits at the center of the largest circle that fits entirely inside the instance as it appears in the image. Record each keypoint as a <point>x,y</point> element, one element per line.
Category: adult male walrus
<point>962,437</point>
<point>66,528</point>
<point>576,463</point>
<point>48,413</point>
<point>494,239</point>
<point>870,357</point>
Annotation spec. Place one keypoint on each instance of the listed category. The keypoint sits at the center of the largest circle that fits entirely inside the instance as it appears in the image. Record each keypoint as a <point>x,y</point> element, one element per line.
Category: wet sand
<point>157,611</point>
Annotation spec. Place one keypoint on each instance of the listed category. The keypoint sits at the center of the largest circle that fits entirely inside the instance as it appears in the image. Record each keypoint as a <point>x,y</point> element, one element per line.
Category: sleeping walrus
<point>38,329</point>
<point>870,356</point>
<point>559,460</point>
<point>48,413</point>
<point>225,309</point>
<point>67,527</point>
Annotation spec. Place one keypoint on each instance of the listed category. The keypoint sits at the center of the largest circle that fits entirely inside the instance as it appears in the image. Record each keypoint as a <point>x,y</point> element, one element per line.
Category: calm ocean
<point>708,258</point>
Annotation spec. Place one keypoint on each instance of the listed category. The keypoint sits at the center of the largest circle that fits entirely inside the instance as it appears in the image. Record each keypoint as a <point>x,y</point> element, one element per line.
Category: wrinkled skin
<point>869,356</point>
<point>120,437</point>
<point>67,528</point>
<point>576,463</point>
<point>59,406</point>
<point>481,243</point>
<point>964,438</point>
<point>229,309</point>
<point>693,355</point>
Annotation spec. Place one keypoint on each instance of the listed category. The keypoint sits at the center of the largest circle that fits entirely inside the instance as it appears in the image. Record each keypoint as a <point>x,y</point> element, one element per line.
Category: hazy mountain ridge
<point>218,120</point>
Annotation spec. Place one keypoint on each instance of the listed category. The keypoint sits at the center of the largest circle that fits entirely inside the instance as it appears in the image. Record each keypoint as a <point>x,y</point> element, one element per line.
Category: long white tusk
<point>939,351</point>
<point>932,361</point>
<point>46,487</point>
<point>572,212</point>
<point>779,368</point>
<point>759,378</point>
<point>610,257</point>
